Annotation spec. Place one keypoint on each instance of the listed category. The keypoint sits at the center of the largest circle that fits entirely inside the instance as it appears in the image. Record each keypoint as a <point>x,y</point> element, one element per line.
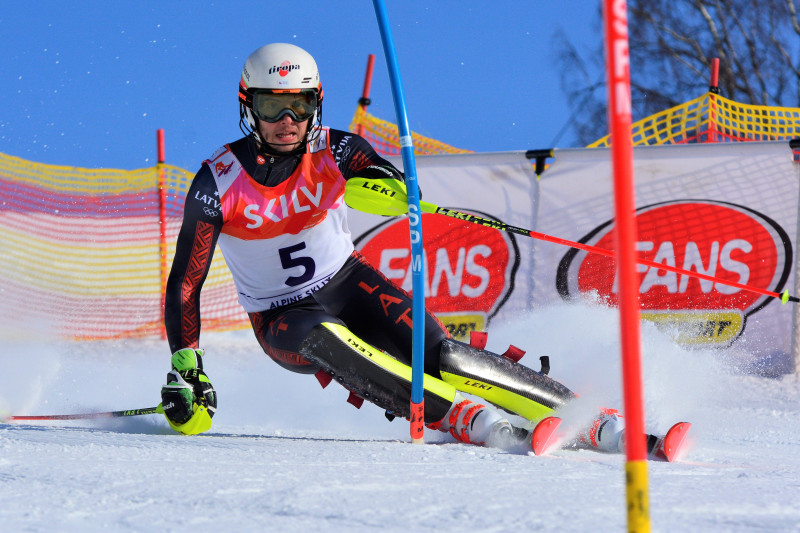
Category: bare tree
<point>672,45</point>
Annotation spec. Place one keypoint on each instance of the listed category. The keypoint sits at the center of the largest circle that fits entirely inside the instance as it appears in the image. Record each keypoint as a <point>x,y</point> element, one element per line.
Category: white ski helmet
<point>279,69</point>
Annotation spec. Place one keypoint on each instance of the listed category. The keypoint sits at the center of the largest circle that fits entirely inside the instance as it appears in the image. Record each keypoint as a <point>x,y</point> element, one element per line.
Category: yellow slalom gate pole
<point>619,117</point>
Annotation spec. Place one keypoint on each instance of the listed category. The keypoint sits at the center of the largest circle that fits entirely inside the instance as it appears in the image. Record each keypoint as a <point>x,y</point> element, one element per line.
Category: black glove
<point>376,172</point>
<point>187,384</point>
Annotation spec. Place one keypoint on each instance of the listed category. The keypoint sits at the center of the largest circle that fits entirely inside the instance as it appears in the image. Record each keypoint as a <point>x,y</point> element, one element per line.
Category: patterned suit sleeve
<point>353,153</point>
<point>202,222</point>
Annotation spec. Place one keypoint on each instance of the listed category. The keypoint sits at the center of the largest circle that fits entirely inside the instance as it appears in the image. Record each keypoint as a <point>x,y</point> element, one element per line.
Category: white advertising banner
<point>475,274</point>
<point>726,210</point>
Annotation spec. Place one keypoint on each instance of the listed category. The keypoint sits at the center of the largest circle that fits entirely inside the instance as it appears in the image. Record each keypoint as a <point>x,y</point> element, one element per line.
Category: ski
<point>672,445</point>
<point>547,436</point>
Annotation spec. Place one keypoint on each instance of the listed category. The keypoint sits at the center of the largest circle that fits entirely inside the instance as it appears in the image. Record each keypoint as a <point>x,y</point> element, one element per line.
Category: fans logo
<point>283,69</point>
<point>722,240</point>
<point>470,268</point>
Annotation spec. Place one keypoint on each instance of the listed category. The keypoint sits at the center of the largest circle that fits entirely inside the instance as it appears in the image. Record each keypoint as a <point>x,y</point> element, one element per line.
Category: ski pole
<point>386,197</point>
<point>415,229</point>
<point>84,416</point>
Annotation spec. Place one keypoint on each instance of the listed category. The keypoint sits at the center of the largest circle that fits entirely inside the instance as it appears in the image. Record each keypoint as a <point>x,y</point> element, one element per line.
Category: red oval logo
<point>725,241</point>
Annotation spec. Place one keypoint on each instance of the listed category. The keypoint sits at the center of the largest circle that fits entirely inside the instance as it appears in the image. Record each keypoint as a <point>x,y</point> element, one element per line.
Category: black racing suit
<point>356,296</point>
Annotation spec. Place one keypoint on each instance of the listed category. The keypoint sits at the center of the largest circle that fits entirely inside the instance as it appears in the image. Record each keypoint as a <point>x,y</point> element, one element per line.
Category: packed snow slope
<point>286,455</point>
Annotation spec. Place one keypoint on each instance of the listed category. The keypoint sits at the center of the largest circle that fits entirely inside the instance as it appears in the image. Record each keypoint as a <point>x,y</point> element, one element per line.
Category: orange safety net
<point>83,253</point>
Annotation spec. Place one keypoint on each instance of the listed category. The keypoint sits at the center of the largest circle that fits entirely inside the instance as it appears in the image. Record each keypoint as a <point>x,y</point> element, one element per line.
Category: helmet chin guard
<point>280,68</point>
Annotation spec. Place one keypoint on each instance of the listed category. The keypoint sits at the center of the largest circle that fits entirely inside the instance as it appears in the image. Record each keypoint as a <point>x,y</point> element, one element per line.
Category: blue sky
<point>89,83</point>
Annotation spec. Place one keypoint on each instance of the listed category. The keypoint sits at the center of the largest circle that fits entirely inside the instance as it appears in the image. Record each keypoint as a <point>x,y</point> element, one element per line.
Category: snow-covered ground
<point>285,455</point>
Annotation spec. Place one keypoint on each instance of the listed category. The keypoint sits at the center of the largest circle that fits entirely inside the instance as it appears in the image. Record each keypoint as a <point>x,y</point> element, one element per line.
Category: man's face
<point>284,135</point>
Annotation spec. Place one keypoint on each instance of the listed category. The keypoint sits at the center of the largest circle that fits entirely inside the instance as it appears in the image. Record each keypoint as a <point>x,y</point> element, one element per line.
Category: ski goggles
<point>271,106</point>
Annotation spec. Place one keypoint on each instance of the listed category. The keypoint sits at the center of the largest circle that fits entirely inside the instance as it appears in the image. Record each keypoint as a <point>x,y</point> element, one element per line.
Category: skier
<point>273,200</point>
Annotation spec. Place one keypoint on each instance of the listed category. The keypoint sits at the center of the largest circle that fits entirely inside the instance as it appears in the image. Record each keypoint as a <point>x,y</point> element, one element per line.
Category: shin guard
<point>372,374</point>
<point>499,380</point>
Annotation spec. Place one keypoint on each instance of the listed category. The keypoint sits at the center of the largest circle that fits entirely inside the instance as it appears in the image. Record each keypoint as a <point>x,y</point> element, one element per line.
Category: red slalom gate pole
<point>713,88</point>
<point>162,222</point>
<point>619,116</point>
<point>713,84</point>
<point>364,100</point>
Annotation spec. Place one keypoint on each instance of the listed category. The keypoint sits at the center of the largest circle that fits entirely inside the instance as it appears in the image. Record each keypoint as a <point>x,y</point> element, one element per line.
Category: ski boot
<point>605,434</point>
<point>475,423</point>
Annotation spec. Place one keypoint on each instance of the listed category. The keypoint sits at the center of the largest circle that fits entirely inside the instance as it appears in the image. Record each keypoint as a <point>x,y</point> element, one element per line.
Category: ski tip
<point>545,435</point>
<point>675,443</point>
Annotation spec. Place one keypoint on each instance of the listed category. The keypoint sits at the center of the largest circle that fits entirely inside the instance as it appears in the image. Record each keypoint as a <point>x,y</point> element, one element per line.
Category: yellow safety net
<point>714,118</point>
<point>384,137</point>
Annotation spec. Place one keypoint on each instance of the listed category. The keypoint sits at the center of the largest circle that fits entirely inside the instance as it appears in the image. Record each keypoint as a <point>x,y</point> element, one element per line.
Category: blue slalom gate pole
<point>415,229</point>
